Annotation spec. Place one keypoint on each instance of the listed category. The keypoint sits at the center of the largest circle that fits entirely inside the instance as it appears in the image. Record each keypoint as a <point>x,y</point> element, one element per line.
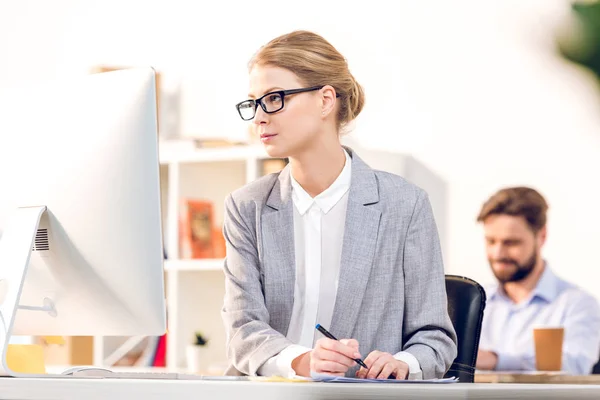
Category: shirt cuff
<point>414,368</point>
<point>281,364</point>
<point>509,362</point>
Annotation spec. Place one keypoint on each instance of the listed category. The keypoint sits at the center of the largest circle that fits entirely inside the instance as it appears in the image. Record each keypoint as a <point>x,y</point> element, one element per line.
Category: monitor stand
<point>16,244</point>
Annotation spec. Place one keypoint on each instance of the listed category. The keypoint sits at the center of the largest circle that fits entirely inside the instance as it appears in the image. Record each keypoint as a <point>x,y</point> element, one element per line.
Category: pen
<point>330,336</point>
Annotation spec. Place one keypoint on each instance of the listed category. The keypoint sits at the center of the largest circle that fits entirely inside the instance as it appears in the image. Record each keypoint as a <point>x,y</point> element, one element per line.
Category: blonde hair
<point>316,62</point>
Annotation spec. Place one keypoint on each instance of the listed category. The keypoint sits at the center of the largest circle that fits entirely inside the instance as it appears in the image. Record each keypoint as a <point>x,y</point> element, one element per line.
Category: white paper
<point>339,379</point>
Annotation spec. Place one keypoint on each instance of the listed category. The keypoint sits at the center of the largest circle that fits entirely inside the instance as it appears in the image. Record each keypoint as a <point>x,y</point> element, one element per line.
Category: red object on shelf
<point>160,358</point>
<point>196,229</point>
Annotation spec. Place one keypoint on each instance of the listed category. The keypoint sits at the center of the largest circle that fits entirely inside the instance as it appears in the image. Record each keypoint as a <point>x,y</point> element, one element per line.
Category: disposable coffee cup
<point>548,348</point>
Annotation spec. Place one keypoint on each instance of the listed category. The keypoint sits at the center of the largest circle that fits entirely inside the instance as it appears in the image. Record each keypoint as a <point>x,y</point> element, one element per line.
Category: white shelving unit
<point>194,265</point>
<point>194,287</point>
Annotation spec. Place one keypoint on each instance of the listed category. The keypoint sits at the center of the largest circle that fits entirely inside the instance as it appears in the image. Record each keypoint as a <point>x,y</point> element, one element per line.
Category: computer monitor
<point>80,217</point>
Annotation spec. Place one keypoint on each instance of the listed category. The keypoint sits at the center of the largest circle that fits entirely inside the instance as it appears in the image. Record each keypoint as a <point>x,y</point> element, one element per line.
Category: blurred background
<point>479,94</point>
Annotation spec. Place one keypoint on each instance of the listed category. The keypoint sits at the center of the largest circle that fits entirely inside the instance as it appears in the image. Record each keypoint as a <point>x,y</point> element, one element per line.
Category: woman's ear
<point>328,98</point>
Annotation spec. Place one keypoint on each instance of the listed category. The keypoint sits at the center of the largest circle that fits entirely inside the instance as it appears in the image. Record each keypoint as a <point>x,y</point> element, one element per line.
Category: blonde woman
<point>328,240</point>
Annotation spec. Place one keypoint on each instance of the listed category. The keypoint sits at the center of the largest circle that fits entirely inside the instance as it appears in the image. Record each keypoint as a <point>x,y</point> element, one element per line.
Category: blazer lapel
<point>278,253</point>
<point>358,247</point>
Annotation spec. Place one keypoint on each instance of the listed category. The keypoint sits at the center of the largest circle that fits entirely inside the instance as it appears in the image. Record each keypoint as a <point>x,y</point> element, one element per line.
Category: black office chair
<point>596,368</point>
<point>466,302</point>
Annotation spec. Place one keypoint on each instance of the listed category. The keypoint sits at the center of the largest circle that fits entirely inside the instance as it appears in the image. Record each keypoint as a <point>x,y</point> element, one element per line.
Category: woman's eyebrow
<point>250,95</point>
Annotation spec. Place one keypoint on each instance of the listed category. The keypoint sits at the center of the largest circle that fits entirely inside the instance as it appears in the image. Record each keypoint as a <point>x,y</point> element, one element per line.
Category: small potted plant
<point>196,352</point>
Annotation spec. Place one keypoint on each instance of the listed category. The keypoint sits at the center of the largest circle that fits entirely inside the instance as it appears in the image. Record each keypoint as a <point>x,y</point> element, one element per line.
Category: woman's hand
<point>382,365</point>
<point>333,357</point>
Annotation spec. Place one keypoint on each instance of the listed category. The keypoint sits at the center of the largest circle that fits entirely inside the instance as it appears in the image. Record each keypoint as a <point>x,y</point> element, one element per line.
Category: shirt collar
<point>329,197</point>
<point>546,288</point>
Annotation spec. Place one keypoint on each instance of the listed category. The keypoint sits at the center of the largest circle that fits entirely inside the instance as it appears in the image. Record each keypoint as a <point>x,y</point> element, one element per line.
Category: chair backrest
<point>596,368</point>
<point>466,302</point>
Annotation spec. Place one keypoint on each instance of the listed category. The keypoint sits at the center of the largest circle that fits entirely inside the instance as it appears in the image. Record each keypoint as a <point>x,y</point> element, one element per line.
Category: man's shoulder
<point>491,290</point>
<point>575,294</point>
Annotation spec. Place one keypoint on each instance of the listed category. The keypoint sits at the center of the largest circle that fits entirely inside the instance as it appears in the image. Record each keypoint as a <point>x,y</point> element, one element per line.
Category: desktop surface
<point>536,378</point>
<point>98,388</point>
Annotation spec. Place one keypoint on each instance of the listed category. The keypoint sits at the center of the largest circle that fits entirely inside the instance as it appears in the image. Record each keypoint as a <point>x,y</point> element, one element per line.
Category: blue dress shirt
<point>508,327</point>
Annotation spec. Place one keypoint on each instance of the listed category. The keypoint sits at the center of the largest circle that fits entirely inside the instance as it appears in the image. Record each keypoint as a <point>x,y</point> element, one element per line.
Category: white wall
<point>470,87</point>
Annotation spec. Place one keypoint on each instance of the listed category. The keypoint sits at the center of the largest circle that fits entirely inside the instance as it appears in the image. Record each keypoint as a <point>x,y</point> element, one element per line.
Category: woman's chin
<point>275,151</point>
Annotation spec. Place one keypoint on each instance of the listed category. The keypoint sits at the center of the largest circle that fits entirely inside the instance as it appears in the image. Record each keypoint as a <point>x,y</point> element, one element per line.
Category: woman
<point>327,240</point>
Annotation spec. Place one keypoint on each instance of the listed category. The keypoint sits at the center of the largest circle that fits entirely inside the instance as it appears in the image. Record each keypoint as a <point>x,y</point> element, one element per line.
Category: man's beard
<point>521,272</point>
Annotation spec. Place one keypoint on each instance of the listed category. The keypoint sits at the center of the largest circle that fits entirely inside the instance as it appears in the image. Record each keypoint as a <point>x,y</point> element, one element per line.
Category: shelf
<point>194,265</point>
<point>192,284</point>
<point>188,154</point>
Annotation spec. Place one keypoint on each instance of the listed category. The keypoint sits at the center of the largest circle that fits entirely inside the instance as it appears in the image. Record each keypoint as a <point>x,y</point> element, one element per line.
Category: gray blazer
<point>391,294</point>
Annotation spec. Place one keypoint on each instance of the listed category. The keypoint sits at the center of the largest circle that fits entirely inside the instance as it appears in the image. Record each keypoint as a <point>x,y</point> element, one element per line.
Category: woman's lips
<point>266,137</point>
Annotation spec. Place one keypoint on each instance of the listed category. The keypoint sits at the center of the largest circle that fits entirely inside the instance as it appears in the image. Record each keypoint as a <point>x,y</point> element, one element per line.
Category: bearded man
<point>528,293</point>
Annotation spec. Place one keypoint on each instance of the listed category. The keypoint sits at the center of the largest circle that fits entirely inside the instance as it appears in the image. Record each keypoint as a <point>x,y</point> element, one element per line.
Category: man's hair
<point>519,202</point>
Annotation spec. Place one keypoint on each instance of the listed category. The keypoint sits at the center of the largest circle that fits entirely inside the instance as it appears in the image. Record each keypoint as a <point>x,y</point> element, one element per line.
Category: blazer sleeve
<point>250,339</point>
<point>428,332</point>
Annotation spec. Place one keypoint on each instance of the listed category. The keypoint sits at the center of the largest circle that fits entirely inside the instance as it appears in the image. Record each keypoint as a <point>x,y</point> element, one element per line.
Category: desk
<point>92,389</point>
<point>549,378</point>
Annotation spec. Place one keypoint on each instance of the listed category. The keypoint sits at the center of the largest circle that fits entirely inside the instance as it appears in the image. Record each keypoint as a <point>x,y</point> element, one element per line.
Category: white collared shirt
<point>318,236</point>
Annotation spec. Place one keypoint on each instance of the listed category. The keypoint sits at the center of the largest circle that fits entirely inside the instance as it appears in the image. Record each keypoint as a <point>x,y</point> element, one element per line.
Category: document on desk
<point>343,379</point>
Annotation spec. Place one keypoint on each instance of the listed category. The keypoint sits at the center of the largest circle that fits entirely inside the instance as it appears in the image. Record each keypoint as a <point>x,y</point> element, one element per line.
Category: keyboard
<point>97,373</point>
<point>135,375</point>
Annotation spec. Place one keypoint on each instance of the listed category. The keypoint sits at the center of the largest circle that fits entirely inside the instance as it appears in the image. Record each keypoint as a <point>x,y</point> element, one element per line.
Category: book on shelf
<point>199,235</point>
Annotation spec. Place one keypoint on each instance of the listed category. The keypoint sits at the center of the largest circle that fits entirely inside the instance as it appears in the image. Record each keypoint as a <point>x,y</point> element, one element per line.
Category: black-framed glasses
<point>270,102</point>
